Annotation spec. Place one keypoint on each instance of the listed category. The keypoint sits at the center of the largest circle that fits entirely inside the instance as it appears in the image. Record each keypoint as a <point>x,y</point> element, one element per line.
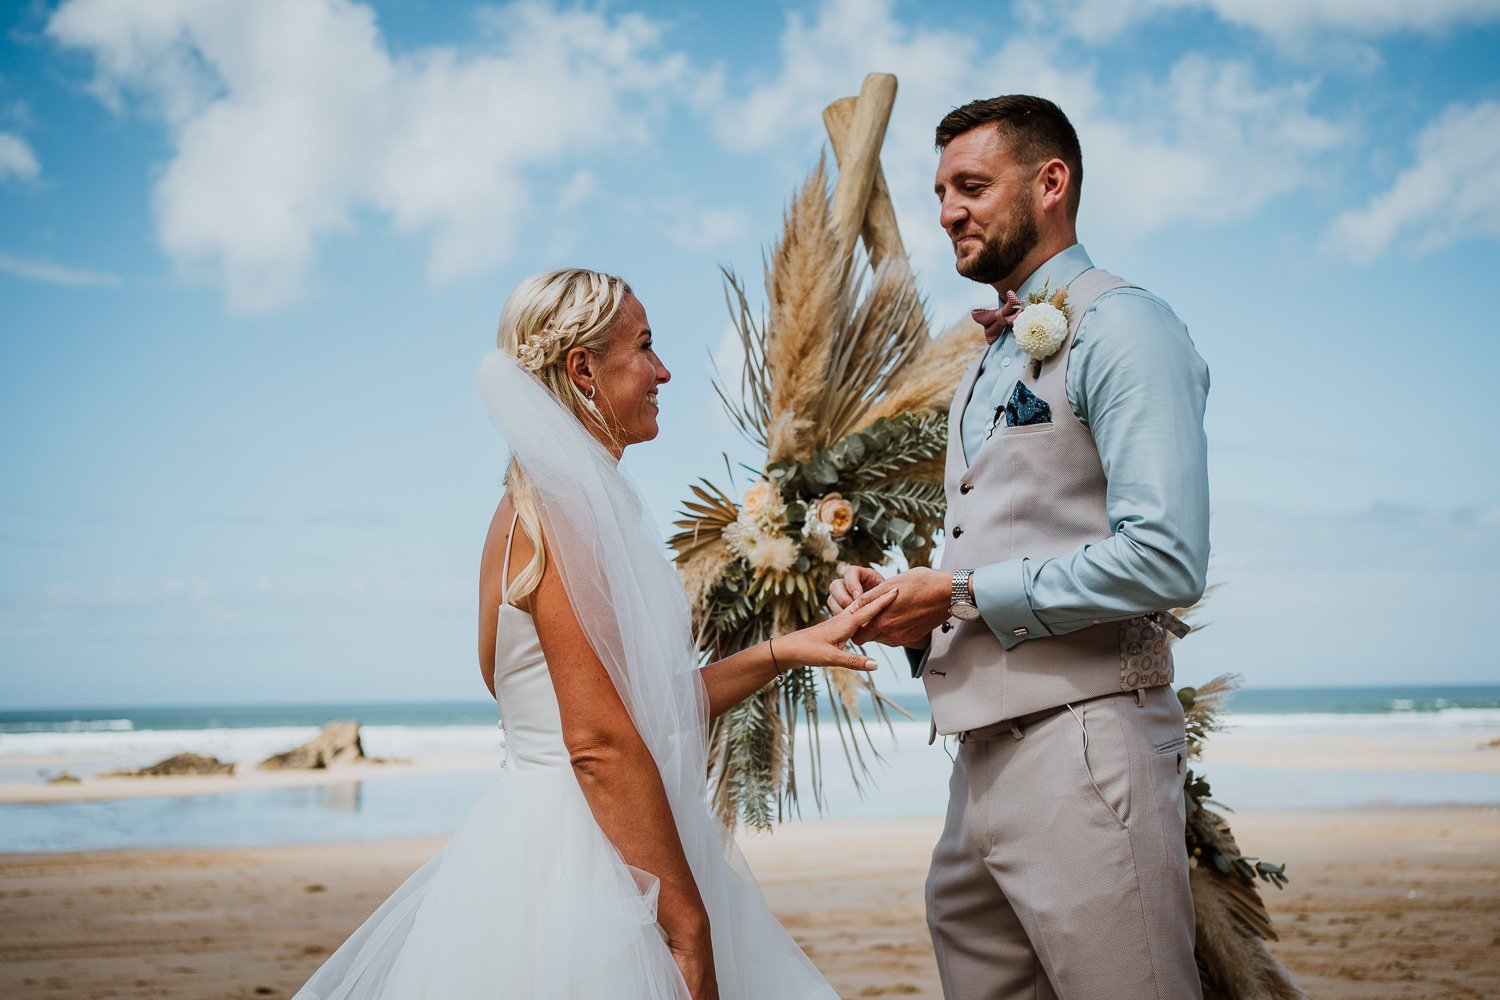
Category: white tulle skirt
<point>529,901</point>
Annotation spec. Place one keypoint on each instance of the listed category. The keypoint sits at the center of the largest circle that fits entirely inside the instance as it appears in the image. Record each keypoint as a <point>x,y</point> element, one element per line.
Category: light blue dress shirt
<point>1139,386</point>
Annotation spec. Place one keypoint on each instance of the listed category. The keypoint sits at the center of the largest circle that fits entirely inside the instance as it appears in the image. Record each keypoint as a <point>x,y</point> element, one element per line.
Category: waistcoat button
<point>957,531</point>
<point>947,626</point>
<point>966,487</point>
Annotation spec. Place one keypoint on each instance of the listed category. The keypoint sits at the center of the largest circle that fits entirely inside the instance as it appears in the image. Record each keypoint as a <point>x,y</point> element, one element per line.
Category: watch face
<point>964,612</point>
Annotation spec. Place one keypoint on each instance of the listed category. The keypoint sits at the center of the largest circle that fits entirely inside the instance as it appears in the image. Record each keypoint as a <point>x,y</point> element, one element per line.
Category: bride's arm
<point>733,679</point>
<point>618,775</point>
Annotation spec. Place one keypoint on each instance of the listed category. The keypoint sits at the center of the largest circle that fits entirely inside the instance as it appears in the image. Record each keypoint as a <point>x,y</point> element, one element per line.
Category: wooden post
<point>861,160</point>
<point>881,233</point>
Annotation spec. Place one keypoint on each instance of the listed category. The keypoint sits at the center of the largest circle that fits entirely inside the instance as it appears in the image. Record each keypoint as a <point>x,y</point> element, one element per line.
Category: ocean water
<point>908,777</point>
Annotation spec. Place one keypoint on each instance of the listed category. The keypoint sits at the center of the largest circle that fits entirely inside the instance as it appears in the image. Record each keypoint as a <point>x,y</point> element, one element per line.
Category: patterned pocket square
<point>1025,408</point>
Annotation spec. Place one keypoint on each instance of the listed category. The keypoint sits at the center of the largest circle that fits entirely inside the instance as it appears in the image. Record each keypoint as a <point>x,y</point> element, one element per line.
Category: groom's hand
<point>847,589</point>
<point>914,614</point>
<point>926,595</point>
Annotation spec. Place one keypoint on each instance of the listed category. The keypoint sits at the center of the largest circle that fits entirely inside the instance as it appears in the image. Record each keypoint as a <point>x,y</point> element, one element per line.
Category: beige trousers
<point>1061,871</point>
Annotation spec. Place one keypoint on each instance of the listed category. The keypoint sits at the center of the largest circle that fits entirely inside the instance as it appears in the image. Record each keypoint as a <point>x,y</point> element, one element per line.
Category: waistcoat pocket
<point>1006,432</point>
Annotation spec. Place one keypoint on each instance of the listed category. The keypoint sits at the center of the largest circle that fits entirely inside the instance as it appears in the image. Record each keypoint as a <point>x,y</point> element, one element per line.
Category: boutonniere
<point>1042,325</point>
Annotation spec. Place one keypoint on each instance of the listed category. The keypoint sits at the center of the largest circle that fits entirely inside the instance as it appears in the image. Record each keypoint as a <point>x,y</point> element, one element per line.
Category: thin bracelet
<point>771,644</point>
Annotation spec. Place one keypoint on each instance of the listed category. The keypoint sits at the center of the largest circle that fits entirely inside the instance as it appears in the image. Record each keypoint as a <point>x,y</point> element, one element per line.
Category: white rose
<point>817,537</point>
<point>1041,329</point>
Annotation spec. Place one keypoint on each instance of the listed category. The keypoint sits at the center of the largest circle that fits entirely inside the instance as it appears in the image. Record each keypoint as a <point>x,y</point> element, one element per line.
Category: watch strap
<point>963,591</point>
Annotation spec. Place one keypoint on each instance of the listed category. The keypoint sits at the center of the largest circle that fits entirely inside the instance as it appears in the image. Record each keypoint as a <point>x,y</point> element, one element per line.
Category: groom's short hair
<point>1034,128</point>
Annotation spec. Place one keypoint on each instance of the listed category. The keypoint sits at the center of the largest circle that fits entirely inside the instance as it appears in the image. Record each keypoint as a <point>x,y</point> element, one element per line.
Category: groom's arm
<point>1138,384</point>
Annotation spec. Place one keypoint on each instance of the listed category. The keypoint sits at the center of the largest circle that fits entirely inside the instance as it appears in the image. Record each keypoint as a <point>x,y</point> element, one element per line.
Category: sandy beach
<point>1383,903</point>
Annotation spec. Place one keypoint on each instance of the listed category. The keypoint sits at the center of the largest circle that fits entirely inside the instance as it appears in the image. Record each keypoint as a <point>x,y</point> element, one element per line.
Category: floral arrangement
<point>1233,926</point>
<point>758,533</point>
<point>848,394</point>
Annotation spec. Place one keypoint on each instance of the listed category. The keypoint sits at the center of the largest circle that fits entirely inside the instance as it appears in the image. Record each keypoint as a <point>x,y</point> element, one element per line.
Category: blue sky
<point>251,254</point>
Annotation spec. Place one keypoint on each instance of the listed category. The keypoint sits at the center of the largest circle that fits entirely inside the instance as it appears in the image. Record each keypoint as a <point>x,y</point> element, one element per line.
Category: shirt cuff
<point>1001,592</point>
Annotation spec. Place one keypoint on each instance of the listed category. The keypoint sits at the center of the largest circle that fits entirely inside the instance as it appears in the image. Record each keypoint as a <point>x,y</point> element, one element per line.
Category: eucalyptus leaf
<point>820,471</point>
<point>855,448</point>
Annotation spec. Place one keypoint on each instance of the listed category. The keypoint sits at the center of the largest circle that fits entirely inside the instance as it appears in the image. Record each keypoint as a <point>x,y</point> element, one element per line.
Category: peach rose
<point>837,513</point>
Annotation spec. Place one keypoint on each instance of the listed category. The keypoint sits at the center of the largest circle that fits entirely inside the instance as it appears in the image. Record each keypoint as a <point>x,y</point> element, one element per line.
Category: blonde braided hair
<point>545,317</point>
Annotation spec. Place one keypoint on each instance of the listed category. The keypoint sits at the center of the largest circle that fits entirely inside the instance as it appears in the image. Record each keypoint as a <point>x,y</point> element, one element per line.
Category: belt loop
<point>1140,697</point>
<point>963,737</point>
<point>1015,730</point>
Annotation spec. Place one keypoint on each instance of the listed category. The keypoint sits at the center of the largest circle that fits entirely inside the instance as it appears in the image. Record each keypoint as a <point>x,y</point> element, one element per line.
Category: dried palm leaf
<point>750,408</point>
<point>927,384</point>
<point>781,747</point>
<point>1204,708</point>
<point>844,685</point>
<point>1212,834</point>
<point>807,298</point>
<point>702,569</point>
<point>1234,961</point>
<point>884,335</point>
<point>703,521</point>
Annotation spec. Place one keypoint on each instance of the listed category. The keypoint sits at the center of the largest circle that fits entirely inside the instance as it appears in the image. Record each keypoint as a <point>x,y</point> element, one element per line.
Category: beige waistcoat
<point>1035,491</point>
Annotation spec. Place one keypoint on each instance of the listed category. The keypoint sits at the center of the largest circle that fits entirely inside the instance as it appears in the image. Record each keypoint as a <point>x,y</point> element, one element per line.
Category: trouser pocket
<point>1105,756</point>
<point>1171,746</point>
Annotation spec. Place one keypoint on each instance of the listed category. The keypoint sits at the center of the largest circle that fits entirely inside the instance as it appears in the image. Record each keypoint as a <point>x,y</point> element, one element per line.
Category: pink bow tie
<point>997,321</point>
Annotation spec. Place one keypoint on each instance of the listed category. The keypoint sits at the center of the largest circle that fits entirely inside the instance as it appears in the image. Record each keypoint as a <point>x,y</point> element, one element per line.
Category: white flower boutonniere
<point>1042,325</point>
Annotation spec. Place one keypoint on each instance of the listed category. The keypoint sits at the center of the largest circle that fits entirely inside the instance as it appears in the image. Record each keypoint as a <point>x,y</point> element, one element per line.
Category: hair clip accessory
<point>533,353</point>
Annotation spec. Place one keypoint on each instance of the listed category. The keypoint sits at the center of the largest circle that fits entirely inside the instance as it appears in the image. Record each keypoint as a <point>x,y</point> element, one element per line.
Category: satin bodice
<point>524,695</point>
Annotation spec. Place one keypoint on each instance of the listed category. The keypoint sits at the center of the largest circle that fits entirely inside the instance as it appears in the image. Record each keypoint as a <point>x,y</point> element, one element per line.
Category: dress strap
<point>510,540</point>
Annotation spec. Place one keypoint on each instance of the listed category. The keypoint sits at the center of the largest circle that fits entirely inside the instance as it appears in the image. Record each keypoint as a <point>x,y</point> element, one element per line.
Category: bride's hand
<point>824,644</point>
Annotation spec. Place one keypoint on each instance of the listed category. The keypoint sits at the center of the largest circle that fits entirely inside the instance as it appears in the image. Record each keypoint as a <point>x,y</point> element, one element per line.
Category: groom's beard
<point>999,258</point>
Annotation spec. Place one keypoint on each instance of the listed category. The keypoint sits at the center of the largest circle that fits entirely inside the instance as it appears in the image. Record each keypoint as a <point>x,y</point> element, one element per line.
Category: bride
<point>592,870</point>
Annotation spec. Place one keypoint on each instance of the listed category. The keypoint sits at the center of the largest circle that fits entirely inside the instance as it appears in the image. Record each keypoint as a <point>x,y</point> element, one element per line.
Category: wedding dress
<point>529,900</point>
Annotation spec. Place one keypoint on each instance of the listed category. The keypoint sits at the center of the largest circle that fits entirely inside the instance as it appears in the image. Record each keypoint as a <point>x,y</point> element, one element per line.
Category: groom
<point>1077,490</point>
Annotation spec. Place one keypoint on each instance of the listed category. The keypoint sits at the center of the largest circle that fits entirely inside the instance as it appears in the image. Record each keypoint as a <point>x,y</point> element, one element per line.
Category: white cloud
<point>1451,192</point>
<point>1208,143</point>
<point>1287,21</point>
<point>56,274</point>
<point>17,158</point>
<point>290,117</point>
<point>705,229</point>
<point>825,56</point>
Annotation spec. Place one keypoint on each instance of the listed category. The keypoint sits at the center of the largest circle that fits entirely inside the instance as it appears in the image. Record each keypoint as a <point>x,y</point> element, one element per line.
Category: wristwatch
<point>962,605</point>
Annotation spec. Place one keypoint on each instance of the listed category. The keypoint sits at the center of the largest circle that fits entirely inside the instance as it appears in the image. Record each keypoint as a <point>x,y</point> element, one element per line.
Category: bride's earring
<point>588,399</point>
